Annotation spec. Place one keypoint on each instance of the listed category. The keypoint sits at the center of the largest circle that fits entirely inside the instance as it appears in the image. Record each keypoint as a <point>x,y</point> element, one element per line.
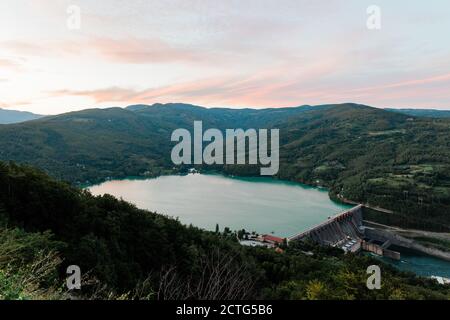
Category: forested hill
<point>429,113</point>
<point>387,159</point>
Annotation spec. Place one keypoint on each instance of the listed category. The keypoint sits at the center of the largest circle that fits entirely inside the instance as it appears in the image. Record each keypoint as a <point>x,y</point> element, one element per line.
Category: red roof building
<point>272,239</point>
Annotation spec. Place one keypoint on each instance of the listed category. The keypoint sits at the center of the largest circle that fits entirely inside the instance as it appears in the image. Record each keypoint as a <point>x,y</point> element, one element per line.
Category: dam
<point>347,232</point>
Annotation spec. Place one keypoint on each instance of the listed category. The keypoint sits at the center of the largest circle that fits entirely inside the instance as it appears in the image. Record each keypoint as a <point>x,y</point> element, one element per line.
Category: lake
<point>258,204</point>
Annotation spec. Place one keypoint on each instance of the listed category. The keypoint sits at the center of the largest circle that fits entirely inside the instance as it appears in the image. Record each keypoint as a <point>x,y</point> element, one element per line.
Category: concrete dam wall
<point>344,230</point>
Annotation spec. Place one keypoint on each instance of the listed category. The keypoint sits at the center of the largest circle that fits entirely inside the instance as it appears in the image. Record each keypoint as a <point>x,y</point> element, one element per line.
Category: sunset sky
<point>223,53</point>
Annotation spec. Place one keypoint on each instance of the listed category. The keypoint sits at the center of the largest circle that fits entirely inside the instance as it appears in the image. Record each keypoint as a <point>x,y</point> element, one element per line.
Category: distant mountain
<point>428,113</point>
<point>387,159</point>
<point>13,116</point>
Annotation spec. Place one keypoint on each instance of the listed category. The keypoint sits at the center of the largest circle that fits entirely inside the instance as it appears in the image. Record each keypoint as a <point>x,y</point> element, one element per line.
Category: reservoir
<point>258,204</point>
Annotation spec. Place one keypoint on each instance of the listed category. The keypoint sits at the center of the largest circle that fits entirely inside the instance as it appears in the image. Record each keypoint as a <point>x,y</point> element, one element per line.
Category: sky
<point>223,53</point>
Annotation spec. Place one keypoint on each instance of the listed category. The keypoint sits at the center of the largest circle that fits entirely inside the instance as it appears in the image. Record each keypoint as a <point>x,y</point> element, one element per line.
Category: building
<point>272,239</point>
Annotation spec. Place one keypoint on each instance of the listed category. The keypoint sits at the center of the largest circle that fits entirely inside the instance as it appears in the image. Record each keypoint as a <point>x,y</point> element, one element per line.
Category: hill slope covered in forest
<point>381,158</point>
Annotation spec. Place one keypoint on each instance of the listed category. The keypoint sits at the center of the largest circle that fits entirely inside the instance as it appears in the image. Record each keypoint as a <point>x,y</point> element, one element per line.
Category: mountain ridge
<point>13,116</point>
<point>429,113</point>
<point>360,153</point>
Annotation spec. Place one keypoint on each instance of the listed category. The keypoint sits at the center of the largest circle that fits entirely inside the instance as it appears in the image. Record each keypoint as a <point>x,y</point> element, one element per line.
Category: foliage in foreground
<point>28,266</point>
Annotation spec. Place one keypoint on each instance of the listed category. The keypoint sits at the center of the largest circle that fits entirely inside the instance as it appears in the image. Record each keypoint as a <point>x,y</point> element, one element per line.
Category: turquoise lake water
<point>256,204</point>
<point>421,264</point>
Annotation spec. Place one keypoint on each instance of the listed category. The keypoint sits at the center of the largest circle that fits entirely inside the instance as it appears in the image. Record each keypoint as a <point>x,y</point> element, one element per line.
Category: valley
<point>336,146</point>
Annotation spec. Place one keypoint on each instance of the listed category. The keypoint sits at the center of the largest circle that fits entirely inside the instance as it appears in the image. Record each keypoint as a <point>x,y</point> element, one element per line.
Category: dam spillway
<point>344,230</point>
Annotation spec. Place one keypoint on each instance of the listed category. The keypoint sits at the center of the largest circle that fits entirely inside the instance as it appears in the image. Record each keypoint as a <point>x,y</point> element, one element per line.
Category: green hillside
<point>363,154</point>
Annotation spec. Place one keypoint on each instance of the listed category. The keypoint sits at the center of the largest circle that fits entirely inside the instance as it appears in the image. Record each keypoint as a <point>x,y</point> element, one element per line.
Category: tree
<point>316,290</point>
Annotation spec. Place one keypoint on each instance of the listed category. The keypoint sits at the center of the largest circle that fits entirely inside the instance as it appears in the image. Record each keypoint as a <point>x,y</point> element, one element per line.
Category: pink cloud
<point>100,95</point>
<point>23,47</point>
<point>408,83</point>
<point>212,91</point>
<point>7,63</point>
<point>13,104</point>
<point>270,89</point>
<point>133,50</point>
<point>129,50</point>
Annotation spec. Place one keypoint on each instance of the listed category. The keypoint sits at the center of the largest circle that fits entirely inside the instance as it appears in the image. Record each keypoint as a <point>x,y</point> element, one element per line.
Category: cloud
<point>409,83</point>
<point>136,51</point>
<point>10,64</point>
<point>118,50</point>
<point>13,104</point>
<point>23,47</point>
<point>267,89</point>
<point>100,95</point>
<point>50,49</point>
<point>225,91</point>
<point>234,53</point>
